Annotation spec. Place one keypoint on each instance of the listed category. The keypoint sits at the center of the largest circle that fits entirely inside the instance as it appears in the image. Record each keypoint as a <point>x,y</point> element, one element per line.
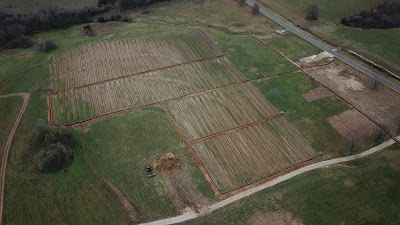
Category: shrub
<point>312,12</point>
<point>55,147</point>
<point>255,8</point>
<point>46,46</point>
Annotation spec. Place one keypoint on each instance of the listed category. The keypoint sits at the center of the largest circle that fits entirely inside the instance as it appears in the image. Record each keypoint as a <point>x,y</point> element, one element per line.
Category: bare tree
<point>255,9</point>
<point>375,84</point>
<point>312,12</point>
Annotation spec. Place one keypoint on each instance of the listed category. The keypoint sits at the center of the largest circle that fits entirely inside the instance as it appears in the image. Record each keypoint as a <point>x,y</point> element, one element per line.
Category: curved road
<point>7,147</point>
<point>339,56</point>
<point>190,214</point>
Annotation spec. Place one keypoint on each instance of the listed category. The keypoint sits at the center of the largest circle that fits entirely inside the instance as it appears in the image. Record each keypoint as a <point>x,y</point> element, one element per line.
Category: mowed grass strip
<point>99,61</point>
<point>85,103</point>
<point>119,148</point>
<point>366,191</point>
<point>286,94</point>
<point>241,157</point>
<point>220,110</point>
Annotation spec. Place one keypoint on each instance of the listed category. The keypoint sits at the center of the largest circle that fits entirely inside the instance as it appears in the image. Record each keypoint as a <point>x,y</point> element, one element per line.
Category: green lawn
<point>380,45</point>
<point>366,191</point>
<point>285,93</point>
<point>119,148</point>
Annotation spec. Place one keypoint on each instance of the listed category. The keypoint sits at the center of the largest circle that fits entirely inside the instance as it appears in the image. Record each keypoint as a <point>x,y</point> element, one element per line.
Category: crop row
<point>84,103</point>
<point>219,110</point>
<point>99,61</point>
<point>237,158</point>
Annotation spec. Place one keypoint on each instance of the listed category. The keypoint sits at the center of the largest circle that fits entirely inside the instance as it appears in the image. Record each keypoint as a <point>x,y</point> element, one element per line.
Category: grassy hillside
<point>366,191</point>
<point>378,45</point>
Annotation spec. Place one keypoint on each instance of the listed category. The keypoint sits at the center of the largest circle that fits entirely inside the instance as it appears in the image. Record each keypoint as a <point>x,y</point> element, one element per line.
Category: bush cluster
<point>387,15</point>
<point>46,46</point>
<point>114,17</point>
<point>55,147</point>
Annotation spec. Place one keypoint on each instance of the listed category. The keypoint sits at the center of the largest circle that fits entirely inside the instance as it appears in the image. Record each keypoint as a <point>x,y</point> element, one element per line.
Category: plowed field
<point>87,102</point>
<point>219,110</point>
<point>243,156</point>
<point>99,61</point>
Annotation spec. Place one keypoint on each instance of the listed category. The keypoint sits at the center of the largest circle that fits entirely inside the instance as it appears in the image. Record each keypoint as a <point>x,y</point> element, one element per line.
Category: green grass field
<point>250,56</point>
<point>292,46</point>
<point>379,45</point>
<point>285,93</point>
<point>366,191</point>
<point>119,148</point>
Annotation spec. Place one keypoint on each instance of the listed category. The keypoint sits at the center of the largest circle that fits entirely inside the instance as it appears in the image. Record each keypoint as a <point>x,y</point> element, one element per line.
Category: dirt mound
<point>167,163</point>
<point>273,218</point>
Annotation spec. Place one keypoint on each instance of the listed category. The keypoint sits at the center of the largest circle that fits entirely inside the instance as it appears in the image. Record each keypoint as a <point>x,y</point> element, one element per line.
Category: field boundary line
<point>6,152</point>
<point>279,115</point>
<point>271,177</point>
<point>111,114</point>
<point>191,214</point>
<point>337,94</point>
<point>128,109</point>
<point>173,122</point>
<point>143,72</point>
<point>191,152</point>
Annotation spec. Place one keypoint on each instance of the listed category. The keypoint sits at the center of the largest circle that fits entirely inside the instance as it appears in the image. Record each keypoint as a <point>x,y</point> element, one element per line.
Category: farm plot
<point>99,61</point>
<point>84,103</point>
<point>220,110</point>
<point>238,158</point>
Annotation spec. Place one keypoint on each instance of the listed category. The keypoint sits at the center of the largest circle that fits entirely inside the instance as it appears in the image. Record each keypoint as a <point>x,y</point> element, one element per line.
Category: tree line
<point>16,29</point>
<point>387,15</point>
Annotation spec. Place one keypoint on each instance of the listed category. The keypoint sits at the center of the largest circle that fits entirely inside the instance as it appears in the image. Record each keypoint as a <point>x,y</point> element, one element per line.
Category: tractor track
<point>6,152</point>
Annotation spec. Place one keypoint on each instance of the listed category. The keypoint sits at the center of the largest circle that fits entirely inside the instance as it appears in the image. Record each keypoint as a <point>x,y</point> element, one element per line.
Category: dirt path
<point>191,214</point>
<point>8,145</point>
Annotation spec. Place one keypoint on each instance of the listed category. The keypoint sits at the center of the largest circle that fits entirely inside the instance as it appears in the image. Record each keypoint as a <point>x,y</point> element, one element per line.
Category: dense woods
<point>16,30</point>
<point>387,15</point>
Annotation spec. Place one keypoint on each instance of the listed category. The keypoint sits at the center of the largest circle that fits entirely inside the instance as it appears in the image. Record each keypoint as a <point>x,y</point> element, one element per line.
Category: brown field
<point>243,156</point>
<point>219,110</point>
<point>91,101</point>
<point>382,105</point>
<point>99,61</point>
<point>354,126</point>
<point>318,93</point>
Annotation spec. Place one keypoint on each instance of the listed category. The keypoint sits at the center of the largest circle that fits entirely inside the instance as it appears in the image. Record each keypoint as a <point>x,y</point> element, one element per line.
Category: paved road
<point>7,147</point>
<point>190,214</point>
<point>324,48</point>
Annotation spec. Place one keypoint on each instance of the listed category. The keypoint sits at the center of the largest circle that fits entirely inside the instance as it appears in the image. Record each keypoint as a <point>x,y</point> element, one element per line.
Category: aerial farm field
<point>210,97</point>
